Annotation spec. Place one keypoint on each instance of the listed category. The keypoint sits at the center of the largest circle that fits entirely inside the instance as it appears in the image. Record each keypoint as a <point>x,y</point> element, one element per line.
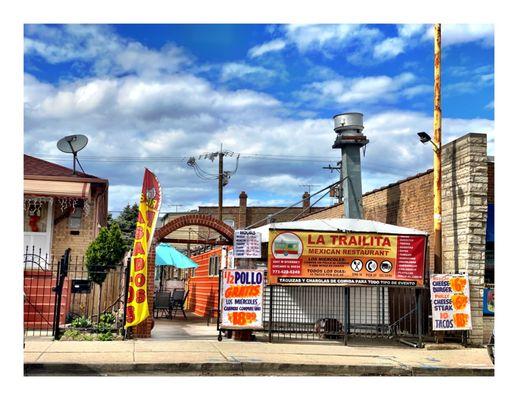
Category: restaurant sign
<point>451,309</point>
<point>345,259</point>
<point>242,299</point>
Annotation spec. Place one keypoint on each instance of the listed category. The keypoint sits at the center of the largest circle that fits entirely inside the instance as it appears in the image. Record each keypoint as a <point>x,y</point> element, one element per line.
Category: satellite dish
<point>73,144</point>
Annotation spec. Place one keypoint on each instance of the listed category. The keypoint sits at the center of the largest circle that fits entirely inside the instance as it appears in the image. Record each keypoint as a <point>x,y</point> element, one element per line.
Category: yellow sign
<point>137,309</point>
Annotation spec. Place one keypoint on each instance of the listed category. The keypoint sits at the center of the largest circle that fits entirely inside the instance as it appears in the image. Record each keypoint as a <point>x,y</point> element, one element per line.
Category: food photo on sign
<point>330,258</point>
<point>451,308</point>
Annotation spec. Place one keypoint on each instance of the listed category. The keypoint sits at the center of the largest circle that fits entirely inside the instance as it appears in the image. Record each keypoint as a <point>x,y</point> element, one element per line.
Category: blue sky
<point>267,92</point>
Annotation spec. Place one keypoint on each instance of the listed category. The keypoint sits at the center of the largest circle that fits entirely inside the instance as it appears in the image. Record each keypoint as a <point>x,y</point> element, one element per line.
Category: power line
<point>222,176</point>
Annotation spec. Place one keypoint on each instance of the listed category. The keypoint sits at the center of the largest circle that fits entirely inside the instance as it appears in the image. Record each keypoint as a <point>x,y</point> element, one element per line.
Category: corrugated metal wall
<point>203,289</point>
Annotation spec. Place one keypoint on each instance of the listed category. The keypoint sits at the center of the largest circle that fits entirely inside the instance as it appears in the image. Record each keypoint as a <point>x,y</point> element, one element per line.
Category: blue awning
<point>167,255</point>
<point>490,226</point>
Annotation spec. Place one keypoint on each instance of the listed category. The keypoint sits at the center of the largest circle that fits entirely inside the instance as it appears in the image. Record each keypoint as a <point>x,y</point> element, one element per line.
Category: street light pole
<point>437,127</point>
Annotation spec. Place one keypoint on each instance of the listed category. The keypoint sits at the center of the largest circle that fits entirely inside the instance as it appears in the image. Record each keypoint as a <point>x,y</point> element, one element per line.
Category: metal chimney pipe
<point>350,139</point>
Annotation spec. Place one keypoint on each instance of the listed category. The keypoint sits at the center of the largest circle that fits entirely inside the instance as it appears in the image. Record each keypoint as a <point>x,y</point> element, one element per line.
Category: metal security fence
<point>298,312</point>
<point>59,289</point>
<point>341,313</point>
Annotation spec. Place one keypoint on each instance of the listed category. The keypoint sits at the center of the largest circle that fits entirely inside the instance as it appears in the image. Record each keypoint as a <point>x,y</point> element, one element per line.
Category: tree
<point>127,221</point>
<point>105,252</point>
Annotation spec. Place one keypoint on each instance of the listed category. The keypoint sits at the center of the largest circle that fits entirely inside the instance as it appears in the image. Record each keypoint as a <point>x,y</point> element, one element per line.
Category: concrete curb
<point>242,369</point>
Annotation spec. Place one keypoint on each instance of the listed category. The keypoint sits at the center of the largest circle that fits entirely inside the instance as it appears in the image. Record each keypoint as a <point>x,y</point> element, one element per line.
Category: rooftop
<point>33,166</point>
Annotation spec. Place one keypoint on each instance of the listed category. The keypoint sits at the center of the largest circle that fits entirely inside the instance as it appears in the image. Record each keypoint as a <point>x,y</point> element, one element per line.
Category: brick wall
<point>62,238</point>
<point>406,203</point>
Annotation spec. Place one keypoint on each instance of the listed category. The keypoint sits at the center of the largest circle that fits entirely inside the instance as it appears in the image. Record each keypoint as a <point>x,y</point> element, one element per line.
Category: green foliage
<point>104,337</point>
<point>103,327</point>
<point>81,322</point>
<point>127,221</point>
<point>71,334</point>
<point>107,318</point>
<point>74,334</point>
<point>105,252</point>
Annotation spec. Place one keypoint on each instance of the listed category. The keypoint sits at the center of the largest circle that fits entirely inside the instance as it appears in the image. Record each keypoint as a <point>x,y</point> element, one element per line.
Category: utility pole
<point>222,176</point>
<point>341,186</point>
<point>437,128</point>
<point>309,186</point>
<point>176,206</point>
<point>220,184</point>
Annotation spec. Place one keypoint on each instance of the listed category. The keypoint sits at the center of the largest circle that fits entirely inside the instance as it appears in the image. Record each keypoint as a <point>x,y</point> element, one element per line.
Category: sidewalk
<point>229,357</point>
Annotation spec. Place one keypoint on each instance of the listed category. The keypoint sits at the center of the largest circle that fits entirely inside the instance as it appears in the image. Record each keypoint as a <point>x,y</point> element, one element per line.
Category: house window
<point>214,263</point>
<point>74,220</point>
<point>35,217</point>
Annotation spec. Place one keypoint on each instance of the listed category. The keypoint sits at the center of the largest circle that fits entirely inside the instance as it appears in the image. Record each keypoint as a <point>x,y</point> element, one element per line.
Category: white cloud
<point>323,37</point>
<point>417,90</point>
<point>365,90</point>
<point>99,45</point>
<point>452,34</point>
<point>328,39</point>
<point>273,45</point>
<point>389,48</point>
<point>244,71</point>
<point>410,30</point>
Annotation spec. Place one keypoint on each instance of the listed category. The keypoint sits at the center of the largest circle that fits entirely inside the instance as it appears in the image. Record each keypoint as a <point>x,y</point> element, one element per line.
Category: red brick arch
<point>201,220</point>
<point>143,330</point>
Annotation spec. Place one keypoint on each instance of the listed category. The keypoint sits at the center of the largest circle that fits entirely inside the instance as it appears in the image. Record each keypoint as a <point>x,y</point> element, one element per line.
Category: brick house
<point>61,210</point>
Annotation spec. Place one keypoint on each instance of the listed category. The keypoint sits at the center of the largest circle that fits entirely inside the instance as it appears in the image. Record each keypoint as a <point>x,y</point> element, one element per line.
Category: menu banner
<point>451,309</point>
<point>247,244</point>
<point>242,299</point>
<point>336,258</point>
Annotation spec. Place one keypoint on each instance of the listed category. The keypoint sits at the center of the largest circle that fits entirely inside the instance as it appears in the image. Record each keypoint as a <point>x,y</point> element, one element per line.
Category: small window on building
<point>229,222</point>
<point>214,263</point>
<point>74,220</point>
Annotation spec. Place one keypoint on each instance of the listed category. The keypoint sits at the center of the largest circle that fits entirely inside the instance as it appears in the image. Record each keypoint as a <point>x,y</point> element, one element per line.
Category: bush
<point>105,252</point>
<point>74,334</point>
<point>103,327</point>
<point>81,322</point>
<point>105,337</point>
<point>107,318</point>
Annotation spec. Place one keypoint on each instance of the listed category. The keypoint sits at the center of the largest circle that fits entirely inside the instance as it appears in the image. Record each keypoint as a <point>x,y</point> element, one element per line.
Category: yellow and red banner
<point>137,309</point>
<point>353,258</point>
